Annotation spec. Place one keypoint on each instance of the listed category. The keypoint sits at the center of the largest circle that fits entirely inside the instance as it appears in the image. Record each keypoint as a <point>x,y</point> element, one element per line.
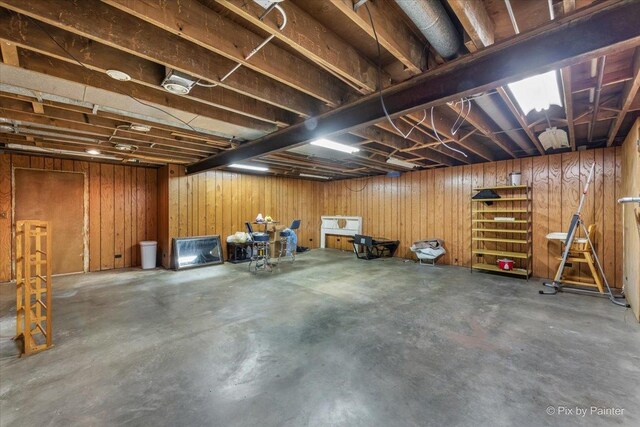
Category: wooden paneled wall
<point>436,203</point>
<point>220,203</point>
<point>122,209</point>
<point>631,217</point>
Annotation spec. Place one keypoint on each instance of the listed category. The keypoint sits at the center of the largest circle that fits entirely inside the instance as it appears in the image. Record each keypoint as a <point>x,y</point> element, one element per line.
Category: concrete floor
<point>329,340</point>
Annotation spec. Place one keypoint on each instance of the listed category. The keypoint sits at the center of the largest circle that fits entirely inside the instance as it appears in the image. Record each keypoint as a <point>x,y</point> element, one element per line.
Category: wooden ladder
<point>33,285</point>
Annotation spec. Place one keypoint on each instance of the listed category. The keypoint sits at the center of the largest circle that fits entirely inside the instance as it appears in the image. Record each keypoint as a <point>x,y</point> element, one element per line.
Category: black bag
<point>486,194</point>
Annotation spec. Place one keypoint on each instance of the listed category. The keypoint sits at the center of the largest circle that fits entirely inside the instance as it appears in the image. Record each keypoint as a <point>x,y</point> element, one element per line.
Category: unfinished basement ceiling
<point>55,60</point>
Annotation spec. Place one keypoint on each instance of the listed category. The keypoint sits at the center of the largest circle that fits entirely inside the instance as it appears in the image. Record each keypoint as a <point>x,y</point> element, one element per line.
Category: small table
<point>266,224</point>
<point>378,247</point>
<point>558,235</point>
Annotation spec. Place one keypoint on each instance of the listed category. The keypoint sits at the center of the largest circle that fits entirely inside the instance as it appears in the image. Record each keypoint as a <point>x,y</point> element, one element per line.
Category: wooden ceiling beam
<point>11,112</point>
<point>443,126</point>
<point>475,20</point>
<point>567,94</point>
<point>23,32</point>
<point>56,68</point>
<point>202,26</point>
<point>67,143</point>
<point>626,100</point>
<point>479,121</point>
<point>159,132</point>
<point>610,78</point>
<point>310,38</point>
<point>557,44</point>
<point>420,140</point>
<point>101,141</point>
<point>478,24</point>
<point>515,110</point>
<point>596,99</point>
<point>568,6</point>
<point>397,142</point>
<point>393,33</point>
<point>108,26</point>
<point>9,52</point>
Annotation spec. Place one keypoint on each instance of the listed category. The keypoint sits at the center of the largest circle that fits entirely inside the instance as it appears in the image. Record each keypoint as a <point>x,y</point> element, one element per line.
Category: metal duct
<point>493,110</point>
<point>434,23</point>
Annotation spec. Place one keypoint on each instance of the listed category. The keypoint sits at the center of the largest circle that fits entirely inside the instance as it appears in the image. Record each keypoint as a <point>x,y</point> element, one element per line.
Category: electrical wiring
<point>356,191</point>
<point>461,116</point>
<point>206,84</point>
<point>433,126</point>
<point>384,107</point>
<point>70,55</point>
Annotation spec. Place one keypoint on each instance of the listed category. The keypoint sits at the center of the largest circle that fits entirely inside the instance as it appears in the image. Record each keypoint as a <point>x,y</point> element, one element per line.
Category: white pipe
<point>255,49</point>
<point>551,14</point>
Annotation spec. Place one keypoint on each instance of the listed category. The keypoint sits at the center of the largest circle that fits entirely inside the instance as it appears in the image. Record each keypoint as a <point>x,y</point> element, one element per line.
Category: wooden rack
<point>493,239</point>
<point>33,285</point>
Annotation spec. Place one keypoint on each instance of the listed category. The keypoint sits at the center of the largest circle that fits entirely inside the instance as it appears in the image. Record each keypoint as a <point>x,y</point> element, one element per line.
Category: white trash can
<point>148,251</point>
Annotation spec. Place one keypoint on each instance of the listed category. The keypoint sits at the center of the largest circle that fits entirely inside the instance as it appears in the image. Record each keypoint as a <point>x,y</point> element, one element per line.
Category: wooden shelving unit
<point>493,239</point>
<point>33,285</point>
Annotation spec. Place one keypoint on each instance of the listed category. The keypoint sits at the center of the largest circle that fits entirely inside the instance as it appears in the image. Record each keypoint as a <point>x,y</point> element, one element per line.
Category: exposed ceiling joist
<point>478,24</point>
<point>443,126</point>
<point>628,95</point>
<point>310,38</point>
<point>9,52</point>
<point>393,34</point>
<point>478,120</point>
<point>398,143</point>
<point>75,73</point>
<point>40,38</point>
<point>475,20</point>
<point>99,22</point>
<point>515,110</point>
<point>196,23</point>
<point>557,44</point>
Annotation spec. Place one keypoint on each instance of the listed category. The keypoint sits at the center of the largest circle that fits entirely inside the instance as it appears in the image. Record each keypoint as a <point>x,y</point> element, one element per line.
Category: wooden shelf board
<point>502,187</point>
<point>499,211</point>
<point>502,199</point>
<point>495,239</point>
<point>499,230</point>
<point>491,267</point>
<point>517,221</point>
<point>521,255</point>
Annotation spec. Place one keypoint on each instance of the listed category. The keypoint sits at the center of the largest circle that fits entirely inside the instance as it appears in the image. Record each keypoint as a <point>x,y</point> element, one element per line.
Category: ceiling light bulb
<point>332,145</point>
<point>248,167</point>
<point>92,151</point>
<point>537,92</point>
<point>119,75</point>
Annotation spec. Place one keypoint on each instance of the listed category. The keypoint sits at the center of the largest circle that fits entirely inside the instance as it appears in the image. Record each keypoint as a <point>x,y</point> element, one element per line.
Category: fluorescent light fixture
<point>139,127</point>
<point>248,167</point>
<point>92,151</point>
<point>334,145</point>
<point>119,75</point>
<point>402,163</point>
<point>58,151</point>
<point>537,92</point>
<point>308,175</point>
